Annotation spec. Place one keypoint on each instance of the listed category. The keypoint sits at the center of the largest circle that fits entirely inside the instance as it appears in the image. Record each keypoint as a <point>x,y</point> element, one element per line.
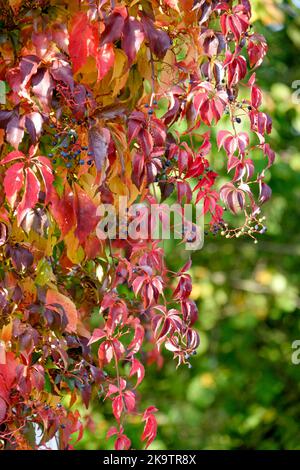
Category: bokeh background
<point>243,389</point>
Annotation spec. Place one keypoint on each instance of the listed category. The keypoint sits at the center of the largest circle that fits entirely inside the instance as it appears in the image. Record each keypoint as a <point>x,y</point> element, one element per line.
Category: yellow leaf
<point>6,332</point>
<point>75,253</point>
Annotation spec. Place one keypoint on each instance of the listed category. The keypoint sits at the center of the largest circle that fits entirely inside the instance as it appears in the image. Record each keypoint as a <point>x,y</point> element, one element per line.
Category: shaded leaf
<point>54,297</point>
<point>99,139</point>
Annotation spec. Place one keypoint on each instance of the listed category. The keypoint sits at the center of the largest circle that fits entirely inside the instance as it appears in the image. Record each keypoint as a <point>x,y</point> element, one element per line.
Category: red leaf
<point>105,353</point>
<point>13,182</point>
<point>137,341</point>
<point>150,429</point>
<point>30,196</point>
<point>222,136</point>
<point>63,209</point>
<point>138,369</point>
<point>85,211</point>
<point>3,409</point>
<point>80,35</point>
<point>105,58</point>
<point>117,406</point>
<point>122,442</point>
<point>257,49</point>
<point>256,97</point>
<point>172,4</point>
<point>97,334</point>
<point>15,155</point>
<point>48,178</point>
<point>112,432</point>
<point>129,399</point>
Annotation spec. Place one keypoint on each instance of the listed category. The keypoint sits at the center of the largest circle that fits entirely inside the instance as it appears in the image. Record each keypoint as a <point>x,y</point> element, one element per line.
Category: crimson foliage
<point>86,83</point>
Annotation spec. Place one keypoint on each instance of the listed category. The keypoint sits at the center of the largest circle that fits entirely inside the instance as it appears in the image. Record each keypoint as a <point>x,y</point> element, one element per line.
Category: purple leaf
<point>113,28</point>
<point>98,143</point>
<point>15,131</point>
<point>133,36</point>
<point>34,124</point>
<point>159,41</point>
<point>265,192</point>
<point>42,87</point>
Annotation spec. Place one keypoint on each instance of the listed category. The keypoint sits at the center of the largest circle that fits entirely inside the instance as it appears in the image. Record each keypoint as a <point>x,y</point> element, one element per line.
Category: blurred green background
<point>243,390</point>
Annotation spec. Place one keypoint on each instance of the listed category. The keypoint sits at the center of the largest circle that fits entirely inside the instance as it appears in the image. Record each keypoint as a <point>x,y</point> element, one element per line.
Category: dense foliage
<point>243,390</point>
<point>108,99</point>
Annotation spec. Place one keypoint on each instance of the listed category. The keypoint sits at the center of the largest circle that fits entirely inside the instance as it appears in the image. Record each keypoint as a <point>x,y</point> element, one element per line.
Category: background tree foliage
<point>243,390</point>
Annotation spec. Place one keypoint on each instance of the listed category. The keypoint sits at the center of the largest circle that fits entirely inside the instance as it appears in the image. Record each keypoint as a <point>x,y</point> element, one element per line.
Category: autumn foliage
<point>107,99</point>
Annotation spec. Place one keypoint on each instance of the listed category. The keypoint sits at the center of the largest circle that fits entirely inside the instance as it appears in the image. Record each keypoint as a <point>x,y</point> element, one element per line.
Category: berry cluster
<point>67,150</point>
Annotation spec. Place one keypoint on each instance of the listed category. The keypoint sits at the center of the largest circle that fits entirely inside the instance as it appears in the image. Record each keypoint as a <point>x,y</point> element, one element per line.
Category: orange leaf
<point>55,297</point>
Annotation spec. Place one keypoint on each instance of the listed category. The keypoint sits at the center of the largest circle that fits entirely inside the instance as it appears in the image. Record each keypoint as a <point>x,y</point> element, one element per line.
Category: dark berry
<point>90,162</point>
<point>238,120</point>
